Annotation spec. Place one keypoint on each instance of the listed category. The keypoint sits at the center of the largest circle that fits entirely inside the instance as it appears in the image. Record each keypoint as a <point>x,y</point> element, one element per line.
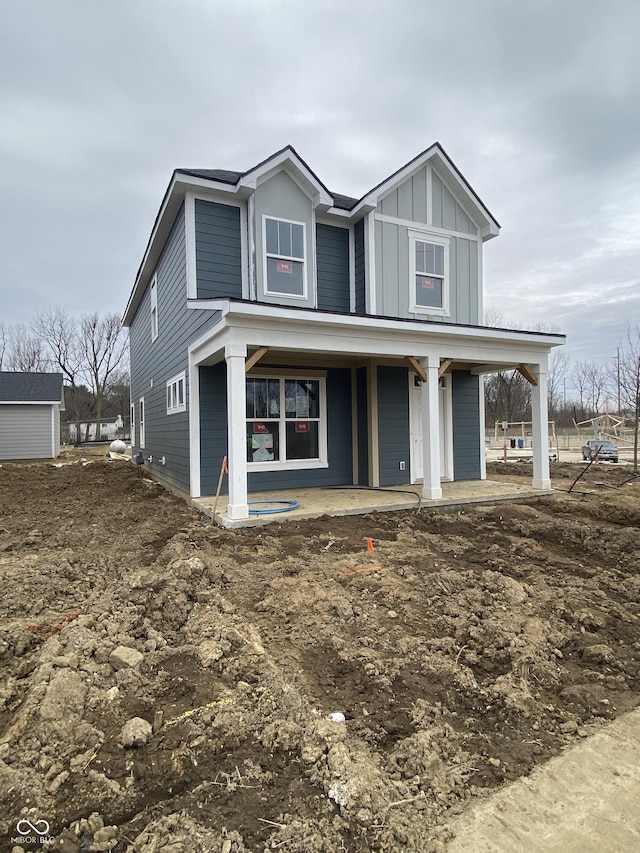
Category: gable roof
<point>30,387</point>
<point>243,184</point>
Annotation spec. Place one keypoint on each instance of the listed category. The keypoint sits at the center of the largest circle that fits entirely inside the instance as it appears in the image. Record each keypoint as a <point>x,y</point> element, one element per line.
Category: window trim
<point>266,255</point>
<point>141,423</point>
<point>154,308</point>
<point>437,240</point>
<point>322,461</point>
<point>132,425</point>
<point>173,385</point>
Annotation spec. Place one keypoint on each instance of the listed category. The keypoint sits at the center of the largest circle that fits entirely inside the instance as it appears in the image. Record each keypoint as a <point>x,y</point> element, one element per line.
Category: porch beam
<point>482,369</point>
<point>415,365</point>
<point>529,375</point>
<point>445,364</point>
<point>255,358</point>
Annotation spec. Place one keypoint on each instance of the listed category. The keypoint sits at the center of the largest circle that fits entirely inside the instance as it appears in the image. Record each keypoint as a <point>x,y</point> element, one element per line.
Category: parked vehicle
<point>606,450</point>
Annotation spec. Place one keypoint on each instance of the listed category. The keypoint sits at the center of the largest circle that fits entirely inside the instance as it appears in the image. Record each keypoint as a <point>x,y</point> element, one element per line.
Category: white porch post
<point>235,355</point>
<point>540,429</point>
<point>431,489</point>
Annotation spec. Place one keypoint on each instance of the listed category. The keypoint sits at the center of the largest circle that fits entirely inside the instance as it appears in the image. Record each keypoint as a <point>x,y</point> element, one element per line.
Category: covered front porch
<point>318,502</point>
<point>397,402</point>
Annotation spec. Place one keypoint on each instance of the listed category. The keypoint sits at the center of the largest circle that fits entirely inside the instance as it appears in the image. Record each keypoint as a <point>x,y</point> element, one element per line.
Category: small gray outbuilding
<point>30,406</point>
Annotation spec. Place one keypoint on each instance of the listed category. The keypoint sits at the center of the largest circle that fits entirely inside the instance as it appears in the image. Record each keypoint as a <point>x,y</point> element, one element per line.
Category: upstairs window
<point>176,396</point>
<point>284,260</point>
<point>430,273</point>
<point>154,308</point>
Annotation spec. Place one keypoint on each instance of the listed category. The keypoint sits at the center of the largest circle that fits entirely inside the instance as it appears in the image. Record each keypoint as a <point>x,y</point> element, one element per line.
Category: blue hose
<point>288,505</point>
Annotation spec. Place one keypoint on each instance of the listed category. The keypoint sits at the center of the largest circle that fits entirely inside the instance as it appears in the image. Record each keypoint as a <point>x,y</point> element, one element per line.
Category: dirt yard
<point>168,686</point>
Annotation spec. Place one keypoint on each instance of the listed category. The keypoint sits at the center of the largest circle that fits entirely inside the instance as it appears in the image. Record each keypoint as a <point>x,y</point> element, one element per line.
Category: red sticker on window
<point>303,426</point>
<point>259,427</point>
<point>429,283</point>
<point>285,266</point>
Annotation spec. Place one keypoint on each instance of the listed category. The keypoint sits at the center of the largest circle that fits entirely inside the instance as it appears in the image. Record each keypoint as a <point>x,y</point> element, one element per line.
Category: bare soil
<point>466,649</point>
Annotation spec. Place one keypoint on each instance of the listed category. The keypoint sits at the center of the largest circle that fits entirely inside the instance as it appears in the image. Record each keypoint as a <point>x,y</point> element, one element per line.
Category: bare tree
<point>630,381</point>
<point>4,343</point>
<point>590,380</point>
<point>26,353</point>
<point>103,347</point>
<point>59,331</point>
<point>557,370</point>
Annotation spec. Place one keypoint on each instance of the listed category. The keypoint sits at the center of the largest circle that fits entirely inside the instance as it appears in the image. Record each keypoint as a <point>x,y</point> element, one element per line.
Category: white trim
<point>319,195</point>
<point>251,246</point>
<point>370,263</point>
<point>352,269</point>
<point>433,229</point>
<point>419,236</point>
<point>482,415</point>
<point>29,402</point>
<point>190,244</point>
<point>142,423</point>
<point>153,314</point>
<point>480,317</point>
<point>53,434</point>
<point>314,258</point>
<point>304,261</point>
<point>194,428</point>
<point>132,423</point>
<point>244,257</point>
<point>173,393</point>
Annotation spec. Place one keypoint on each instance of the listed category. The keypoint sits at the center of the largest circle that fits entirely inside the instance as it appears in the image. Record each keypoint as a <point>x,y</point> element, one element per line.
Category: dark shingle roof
<point>225,176</point>
<point>30,387</point>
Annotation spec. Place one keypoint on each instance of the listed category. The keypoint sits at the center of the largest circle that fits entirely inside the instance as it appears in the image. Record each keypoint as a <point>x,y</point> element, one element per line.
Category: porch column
<point>540,429</point>
<point>235,355</point>
<point>431,489</point>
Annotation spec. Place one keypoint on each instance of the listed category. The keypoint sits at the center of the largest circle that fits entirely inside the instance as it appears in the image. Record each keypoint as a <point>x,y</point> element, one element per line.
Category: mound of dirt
<point>170,686</point>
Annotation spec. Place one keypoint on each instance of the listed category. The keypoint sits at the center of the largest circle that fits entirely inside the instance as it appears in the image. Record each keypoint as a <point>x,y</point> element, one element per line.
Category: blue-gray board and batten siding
<point>465,404</point>
<point>213,437</point>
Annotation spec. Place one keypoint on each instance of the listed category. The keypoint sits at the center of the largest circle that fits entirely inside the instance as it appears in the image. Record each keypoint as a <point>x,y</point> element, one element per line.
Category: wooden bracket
<point>255,358</point>
<point>444,366</point>
<point>415,365</point>
<point>528,374</point>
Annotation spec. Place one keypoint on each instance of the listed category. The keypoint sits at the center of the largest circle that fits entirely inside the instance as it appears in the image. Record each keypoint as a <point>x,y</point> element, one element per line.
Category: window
<point>176,394</point>
<point>284,257</point>
<point>132,433</point>
<point>429,272</point>
<point>286,422</point>
<point>141,422</point>
<point>154,308</point>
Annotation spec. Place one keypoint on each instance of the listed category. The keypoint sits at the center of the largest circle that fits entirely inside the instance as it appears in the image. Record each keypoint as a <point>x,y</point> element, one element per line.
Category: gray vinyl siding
<point>26,432</point>
<point>394,280</point>
<point>332,261</point>
<point>447,213</point>
<point>466,425</point>
<point>218,250</point>
<point>362,410</point>
<point>393,425</point>
<point>213,437</point>
<point>153,363</point>
<point>358,232</point>
<point>282,198</point>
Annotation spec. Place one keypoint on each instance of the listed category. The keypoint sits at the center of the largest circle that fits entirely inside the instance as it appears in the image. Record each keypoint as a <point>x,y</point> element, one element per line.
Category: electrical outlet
<point>403,466</point>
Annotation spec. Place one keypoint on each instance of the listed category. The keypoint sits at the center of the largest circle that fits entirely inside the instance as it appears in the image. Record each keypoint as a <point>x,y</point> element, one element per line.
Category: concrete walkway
<point>586,800</point>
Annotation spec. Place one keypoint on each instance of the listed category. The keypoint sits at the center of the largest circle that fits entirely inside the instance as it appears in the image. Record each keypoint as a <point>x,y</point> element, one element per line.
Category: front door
<point>444,411</point>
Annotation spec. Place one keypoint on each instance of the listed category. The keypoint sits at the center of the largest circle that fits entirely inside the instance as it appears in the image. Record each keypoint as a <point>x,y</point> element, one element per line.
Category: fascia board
<point>253,313</point>
<point>287,158</point>
<point>29,402</point>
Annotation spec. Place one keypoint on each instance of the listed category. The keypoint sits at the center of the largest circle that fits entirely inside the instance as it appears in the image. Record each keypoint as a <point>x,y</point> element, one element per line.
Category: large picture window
<point>429,273</point>
<point>284,257</point>
<point>286,422</point>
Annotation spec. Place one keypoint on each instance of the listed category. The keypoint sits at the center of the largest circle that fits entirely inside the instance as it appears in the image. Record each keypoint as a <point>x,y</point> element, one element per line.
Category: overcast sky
<point>537,103</point>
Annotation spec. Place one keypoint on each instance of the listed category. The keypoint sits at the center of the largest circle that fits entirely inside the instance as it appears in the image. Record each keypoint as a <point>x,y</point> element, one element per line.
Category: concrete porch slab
<point>317,502</point>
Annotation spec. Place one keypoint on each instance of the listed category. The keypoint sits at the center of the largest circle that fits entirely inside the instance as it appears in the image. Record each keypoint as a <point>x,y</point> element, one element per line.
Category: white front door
<point>446,436</point>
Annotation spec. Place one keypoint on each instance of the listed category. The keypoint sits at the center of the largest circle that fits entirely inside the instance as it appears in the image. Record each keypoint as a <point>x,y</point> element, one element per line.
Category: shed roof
<point>30,387</point>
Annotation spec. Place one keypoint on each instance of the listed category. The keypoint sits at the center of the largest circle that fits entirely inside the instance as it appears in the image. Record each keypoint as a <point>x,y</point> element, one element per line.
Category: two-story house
<point>316,339</point>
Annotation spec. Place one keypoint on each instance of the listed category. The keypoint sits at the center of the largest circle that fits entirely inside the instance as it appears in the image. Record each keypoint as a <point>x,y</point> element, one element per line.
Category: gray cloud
<point>536,103</point>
